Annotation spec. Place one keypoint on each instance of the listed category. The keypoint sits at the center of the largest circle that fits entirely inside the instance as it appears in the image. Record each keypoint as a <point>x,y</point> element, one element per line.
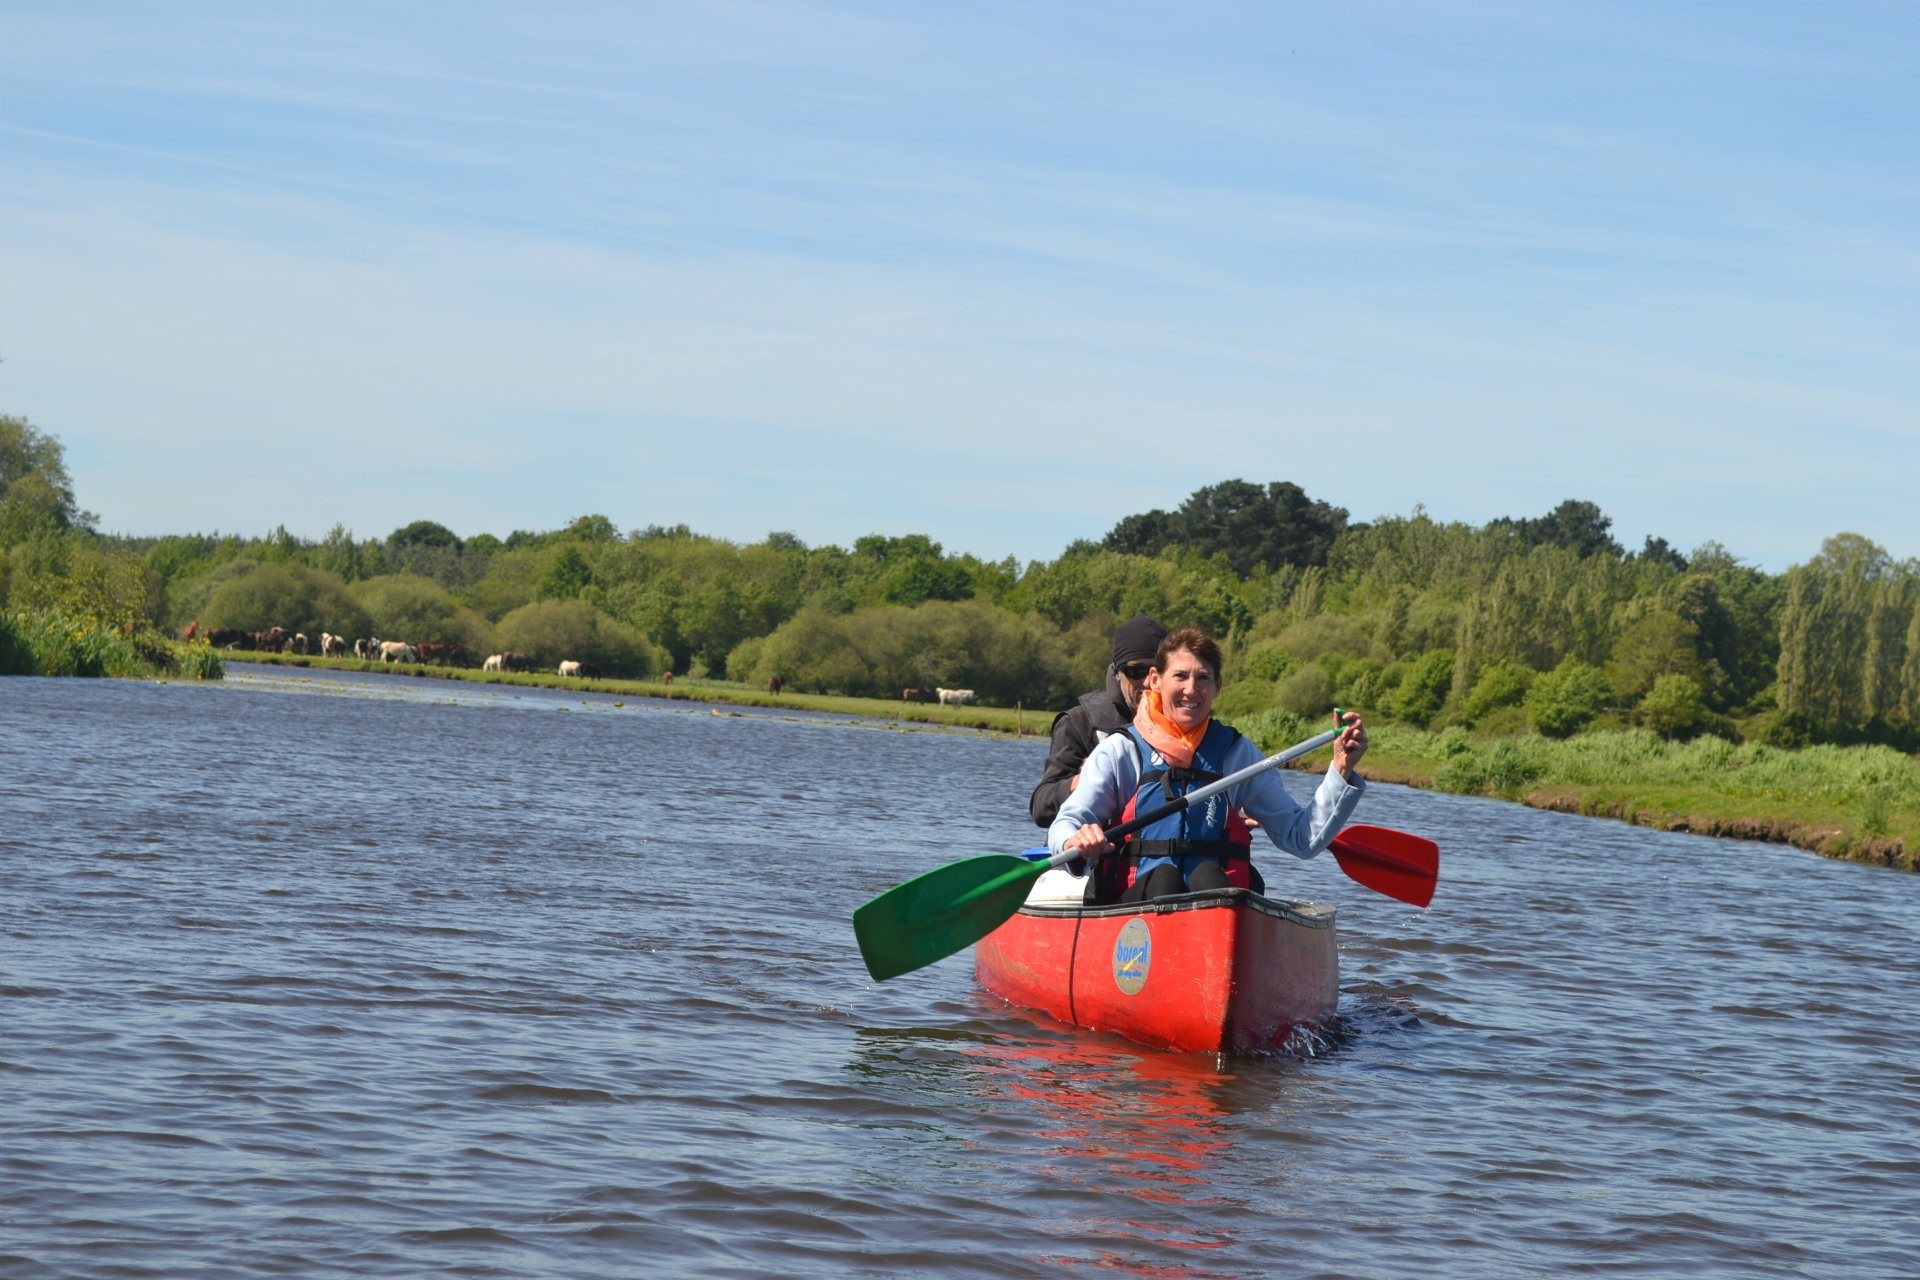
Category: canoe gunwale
<point>1311,915</point>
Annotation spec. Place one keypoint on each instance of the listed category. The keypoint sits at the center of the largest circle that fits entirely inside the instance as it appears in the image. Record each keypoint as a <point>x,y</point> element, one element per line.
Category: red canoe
<point>1223,971</point>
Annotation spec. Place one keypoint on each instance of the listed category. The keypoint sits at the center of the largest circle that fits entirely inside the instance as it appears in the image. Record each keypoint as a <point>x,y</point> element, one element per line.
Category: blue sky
<point>996,273</point>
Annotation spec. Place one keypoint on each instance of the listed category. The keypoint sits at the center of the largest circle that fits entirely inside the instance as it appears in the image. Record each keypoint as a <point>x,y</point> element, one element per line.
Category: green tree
<point>922,578</point>
<point>417,610</point>
<point>811,651</point>
<point>569,576</point>
<point>512,579</point>
<point>1567,697</point>
<point>254,595</point>
<point>556,631</point>
<point>1657,551</point>
<point>1824,634</point>
<point>35,494</point>
<point>1675,707</point>
<point>1422,691</point>
<point>1576,525</point>
<point>340,555</point>
<point>1270,662</point>
<point>1660,642</point>
<point>1501,684</point>
<point>1307,693</point>
<point>423,533</point>
<point>595,528</point>
<point>82,579</point>
<point>1004,657</point>
<point>1251,526</point>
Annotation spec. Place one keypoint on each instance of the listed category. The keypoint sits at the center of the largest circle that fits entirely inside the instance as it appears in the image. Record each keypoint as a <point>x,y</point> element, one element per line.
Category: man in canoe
<point>1106,711</point>
<point>1172,745</point>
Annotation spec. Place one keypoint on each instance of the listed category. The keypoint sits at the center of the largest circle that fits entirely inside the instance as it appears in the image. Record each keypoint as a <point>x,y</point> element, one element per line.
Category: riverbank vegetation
<point>1518,644</point>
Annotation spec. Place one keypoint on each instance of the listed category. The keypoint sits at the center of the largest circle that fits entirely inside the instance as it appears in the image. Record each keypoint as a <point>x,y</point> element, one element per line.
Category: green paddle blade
<point>934,915</point>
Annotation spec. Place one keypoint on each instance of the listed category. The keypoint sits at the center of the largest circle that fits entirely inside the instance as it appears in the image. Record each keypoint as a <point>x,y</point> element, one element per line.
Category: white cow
<point>954,697</point>
<point>397,651</point>
<point>569,668</point>
<point>495,662</point>
<point>332,646</point>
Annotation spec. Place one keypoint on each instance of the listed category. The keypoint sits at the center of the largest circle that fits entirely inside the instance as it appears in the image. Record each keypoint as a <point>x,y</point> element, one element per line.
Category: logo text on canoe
<point>1132,956</point>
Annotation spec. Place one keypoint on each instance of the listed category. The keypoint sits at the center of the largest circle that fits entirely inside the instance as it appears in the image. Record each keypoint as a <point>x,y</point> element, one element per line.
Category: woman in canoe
<point>1173,745</point>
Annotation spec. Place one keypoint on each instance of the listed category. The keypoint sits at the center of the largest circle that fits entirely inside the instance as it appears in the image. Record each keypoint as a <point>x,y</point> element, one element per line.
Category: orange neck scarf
<point>1177,745</point>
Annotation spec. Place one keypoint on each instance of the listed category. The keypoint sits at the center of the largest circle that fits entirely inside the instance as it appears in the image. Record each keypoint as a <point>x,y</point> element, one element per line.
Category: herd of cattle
<point>452,653</point>
<point>446,653</point>
<point>945,697</point>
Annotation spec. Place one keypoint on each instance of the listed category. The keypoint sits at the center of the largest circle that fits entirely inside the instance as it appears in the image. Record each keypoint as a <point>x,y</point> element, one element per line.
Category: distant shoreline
<point>1018,722</point>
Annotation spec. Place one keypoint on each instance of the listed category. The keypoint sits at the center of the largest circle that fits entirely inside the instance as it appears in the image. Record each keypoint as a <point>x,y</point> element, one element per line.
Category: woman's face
<point>1187,689</point>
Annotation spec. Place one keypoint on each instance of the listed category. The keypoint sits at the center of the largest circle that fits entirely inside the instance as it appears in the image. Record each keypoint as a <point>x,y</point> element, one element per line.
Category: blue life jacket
<point>1211,831</point>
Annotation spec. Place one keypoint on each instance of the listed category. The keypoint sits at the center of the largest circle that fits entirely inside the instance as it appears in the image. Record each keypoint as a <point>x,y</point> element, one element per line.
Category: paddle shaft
<point>1120,830</point>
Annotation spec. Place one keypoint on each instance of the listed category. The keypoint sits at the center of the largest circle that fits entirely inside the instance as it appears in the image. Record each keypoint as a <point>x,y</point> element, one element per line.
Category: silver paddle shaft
<point>1122,829</point>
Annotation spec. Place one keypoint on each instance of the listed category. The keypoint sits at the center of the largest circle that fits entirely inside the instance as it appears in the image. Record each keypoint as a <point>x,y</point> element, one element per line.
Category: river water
<point>367,976</point>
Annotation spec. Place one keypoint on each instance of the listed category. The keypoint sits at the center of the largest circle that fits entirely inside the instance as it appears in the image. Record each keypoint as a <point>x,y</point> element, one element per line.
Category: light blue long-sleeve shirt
<point>1111,775</point>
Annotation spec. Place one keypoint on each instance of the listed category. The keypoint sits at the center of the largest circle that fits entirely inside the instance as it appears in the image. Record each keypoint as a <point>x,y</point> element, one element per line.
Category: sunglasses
<point>1136,671</point>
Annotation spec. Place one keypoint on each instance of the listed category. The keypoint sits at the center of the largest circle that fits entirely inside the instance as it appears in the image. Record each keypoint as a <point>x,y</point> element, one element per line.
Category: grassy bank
<point>52,644</point>
<point>1857,803</point>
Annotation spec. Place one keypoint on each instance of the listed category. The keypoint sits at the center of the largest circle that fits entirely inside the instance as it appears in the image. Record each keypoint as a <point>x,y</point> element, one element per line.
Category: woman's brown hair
<point>1194,641</point>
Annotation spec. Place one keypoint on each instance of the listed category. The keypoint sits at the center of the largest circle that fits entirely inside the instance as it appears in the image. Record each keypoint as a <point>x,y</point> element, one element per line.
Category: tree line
<point>1544,623</point>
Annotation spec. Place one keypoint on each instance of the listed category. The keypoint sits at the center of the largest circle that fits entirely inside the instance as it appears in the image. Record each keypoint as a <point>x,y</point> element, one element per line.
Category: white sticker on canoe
<point>1132,956</point>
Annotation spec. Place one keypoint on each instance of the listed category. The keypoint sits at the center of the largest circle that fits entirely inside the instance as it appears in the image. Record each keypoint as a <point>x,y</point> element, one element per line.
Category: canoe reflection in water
<point>1122,1124</point>
<point>1112,1150</point>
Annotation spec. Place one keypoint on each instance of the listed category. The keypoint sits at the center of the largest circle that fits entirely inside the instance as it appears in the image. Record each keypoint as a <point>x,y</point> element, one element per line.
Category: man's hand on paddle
<point>1350,745</point>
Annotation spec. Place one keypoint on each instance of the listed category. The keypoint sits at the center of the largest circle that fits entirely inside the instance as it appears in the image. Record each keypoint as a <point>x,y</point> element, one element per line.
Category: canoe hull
<point>1225,971</point>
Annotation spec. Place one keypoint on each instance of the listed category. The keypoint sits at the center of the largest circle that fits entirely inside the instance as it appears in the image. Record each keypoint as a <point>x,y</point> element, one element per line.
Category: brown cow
<point>666,677</point>
<point>776,683</point>
<point>450,653</point>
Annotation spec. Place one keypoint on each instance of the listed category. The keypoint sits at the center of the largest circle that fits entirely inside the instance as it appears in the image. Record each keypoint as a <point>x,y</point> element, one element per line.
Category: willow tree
<point>1826,636</point>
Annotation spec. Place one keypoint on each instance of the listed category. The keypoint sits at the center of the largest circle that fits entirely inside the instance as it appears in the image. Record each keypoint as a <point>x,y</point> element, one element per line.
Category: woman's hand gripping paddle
<point>936,914</point>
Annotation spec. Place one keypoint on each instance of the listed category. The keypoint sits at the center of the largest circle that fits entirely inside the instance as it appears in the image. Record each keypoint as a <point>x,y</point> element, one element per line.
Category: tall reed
<point>48,643</point>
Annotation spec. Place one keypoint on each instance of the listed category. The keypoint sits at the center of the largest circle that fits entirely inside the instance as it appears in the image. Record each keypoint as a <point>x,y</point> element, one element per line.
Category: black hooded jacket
<point>1076,732</point>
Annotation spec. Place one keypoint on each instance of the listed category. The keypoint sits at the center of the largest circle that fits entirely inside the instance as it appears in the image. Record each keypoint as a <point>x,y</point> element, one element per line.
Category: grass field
<point>1857,803</point>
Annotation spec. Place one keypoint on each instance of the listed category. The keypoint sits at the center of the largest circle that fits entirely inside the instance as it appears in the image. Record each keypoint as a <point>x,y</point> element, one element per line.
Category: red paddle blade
<point>1395,863</point>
